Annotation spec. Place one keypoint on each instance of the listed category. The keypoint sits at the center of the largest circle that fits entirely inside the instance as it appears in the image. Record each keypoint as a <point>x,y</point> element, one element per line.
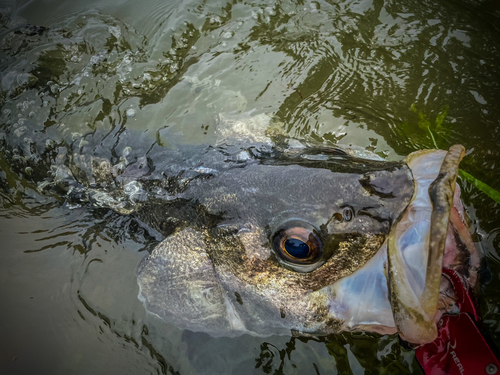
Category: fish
<point>267,237</point>
<point>316,242</point>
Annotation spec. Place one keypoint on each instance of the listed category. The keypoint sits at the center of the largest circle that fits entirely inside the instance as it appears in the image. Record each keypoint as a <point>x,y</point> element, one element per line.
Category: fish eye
<point>297,242</point>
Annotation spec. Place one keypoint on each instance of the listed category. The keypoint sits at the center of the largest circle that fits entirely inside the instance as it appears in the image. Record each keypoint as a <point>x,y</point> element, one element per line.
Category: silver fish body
<point>226,270</point>
<point>264,239</point>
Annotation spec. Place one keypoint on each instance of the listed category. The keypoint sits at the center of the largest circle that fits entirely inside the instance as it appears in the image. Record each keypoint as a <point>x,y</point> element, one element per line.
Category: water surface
<point>365,73</point>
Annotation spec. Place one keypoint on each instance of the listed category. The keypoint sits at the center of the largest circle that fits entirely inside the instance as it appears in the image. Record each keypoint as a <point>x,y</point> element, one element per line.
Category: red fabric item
<point>460,348</point>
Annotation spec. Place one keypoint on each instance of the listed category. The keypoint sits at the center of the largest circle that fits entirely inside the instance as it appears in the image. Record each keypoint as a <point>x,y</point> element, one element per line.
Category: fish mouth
<point>416,244</point>
<point>401,289</point>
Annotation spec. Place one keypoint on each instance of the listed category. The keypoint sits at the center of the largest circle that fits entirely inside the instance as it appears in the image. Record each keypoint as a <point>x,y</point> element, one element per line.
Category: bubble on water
<point>126,151</point>
<point>118,169</point>
<point>94,59</point>
<point>54,88</point>
<point>134,190</point>
<point>130,113</point>
<point>243,156</point>
<point>132,187</point>
<point>50,144</point>
<point>102,199</point>
<point>71,206</point>
<point>147,76</point>
<point>227,35</point>
<point>20,131</point>
<point>127,59</point>
<point>205,170</point>
<point>161,193</point>
<point>214,20</point>
<point>115,31</point>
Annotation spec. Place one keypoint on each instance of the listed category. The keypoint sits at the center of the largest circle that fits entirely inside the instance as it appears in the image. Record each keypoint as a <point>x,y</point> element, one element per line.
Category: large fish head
<point>294,244</point>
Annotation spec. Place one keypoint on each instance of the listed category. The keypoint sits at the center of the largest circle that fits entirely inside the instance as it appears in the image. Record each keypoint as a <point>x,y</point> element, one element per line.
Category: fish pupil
<point>297,248</point>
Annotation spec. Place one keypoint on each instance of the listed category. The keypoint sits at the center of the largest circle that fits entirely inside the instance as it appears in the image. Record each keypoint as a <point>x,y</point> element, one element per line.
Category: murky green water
<point>330,71</point>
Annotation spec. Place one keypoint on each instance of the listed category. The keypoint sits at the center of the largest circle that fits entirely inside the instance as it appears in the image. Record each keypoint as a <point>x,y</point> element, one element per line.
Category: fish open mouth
<point>402,287</point>
<point>431,234</point>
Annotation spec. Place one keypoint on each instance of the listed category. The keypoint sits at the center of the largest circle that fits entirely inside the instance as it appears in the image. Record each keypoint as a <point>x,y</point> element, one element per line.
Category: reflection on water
<point>84,74</point>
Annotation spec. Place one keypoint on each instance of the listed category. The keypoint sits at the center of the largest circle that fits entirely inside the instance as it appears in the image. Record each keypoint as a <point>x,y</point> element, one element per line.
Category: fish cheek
<point>178,283</point>
<point>267,295</point>
<point>351,254</point>
<point>253,263</point>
